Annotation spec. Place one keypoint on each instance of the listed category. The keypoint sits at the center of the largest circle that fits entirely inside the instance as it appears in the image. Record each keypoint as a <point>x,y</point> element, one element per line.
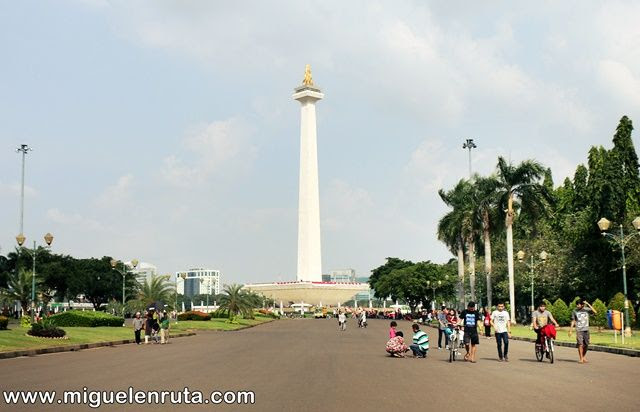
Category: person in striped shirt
<point>420,344</point>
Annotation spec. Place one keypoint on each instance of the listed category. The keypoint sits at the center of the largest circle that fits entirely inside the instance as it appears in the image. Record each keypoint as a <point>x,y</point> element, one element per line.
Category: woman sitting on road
<point>396,346</point>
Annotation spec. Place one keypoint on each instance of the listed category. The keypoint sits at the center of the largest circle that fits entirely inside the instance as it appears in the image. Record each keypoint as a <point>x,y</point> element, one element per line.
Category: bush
<point>219,314</point>
<point>4,322</point>
<point>194,315</point>
<point>561,312</point>
<point>600,319</point>
<point>573,305</point>
<point>25,322</point>
<point>75,318</point>
<point>45,328</point>
<point>617,303</point>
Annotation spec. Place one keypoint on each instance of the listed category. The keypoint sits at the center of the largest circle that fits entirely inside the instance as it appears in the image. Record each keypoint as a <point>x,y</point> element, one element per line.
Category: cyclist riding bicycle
<point>540,320</point>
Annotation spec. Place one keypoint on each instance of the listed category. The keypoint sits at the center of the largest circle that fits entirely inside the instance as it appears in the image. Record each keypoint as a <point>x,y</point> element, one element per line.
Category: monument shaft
<point>309,246</point>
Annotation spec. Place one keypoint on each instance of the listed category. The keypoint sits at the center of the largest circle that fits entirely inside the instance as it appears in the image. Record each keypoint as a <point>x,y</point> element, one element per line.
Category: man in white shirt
<point>342,321</point>
<point>501,323</point>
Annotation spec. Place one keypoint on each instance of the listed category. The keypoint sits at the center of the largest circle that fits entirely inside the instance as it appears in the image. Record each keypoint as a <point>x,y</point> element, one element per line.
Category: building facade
<point>144,271</point>
<point>342,276</point>
<point>198,281</point>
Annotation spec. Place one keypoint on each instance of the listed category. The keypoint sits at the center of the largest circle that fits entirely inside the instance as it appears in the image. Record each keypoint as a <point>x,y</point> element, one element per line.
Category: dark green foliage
<point>600,318</point>
<point>194,315</point>
<point>572,305</point>
<point>617,303</point>
<point>45,328</point>
<point>561,312</point>
<point>219,314</point>
<point>85,318</point>
<point>4,322</point>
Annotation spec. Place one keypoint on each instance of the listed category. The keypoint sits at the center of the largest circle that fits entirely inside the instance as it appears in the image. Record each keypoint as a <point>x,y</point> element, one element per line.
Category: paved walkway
<point>308,365</point>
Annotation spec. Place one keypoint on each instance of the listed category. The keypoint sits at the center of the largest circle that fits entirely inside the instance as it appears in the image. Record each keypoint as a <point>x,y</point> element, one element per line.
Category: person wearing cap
<point>471,319</point>
<point>138,324</point>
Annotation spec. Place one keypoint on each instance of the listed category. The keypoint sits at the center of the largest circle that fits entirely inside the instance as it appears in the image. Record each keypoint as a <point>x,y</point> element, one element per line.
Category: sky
<point>165,131</point>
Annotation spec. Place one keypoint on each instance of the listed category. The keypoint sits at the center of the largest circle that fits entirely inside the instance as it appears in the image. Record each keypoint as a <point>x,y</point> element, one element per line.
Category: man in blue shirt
<point>420,344</point>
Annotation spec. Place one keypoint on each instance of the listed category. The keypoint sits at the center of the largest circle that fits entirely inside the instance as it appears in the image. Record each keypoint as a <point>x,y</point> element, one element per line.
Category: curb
<point>77,347</point>
<point>595,348</point>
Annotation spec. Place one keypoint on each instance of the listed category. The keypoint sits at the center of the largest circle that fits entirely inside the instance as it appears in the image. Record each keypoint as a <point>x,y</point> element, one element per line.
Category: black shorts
<point>471,336</point>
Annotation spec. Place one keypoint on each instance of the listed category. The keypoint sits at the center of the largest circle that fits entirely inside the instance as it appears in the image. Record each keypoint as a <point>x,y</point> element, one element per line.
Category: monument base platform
<point>315,293</point>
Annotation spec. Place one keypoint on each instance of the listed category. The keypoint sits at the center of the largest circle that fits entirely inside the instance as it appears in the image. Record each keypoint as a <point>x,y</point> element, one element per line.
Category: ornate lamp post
<point>621,240</point>
<point>123,272</point>
<point>48,238</point>
<point>543,258</point>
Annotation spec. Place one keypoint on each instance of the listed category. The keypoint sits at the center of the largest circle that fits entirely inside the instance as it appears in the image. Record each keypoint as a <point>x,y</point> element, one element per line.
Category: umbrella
<point>157,305</point>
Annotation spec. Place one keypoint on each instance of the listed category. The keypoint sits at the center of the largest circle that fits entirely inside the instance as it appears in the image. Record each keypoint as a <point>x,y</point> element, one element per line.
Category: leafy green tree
<point>486,209</point>
<point>157,289</point>
<point>391,265</point>
<point>520,187</point>
<point>235,300</point>
<point>561,312</point>
<point>600,319</point>
<point>19,286</point>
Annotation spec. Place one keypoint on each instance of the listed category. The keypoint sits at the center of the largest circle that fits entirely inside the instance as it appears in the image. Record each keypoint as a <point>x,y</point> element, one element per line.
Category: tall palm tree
<point>486,194</point>
<point>158,289</point>
<point>519,187</point>
<point>235,300</point>
<point>453,228</point>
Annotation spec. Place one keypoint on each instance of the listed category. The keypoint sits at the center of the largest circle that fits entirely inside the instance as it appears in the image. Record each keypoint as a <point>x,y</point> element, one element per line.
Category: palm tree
<point>19,287</point>
<point>486,194</point>
<point>519,186</point>
<point>159,289</point>
<point>236,301</point>
<point>453,228</point>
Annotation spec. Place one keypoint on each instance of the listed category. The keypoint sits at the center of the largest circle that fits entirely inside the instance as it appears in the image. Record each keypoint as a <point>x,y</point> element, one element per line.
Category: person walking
<point>501,322</point>
<point>487,323</point>
<point>580,320</point>
<point>471,319</point>
<point>342,321</point>
<point>148,327</point>
<point>363,319</point>
<point>164,328</point>
<point>138,324</point>
<point>442,325</point>
<point>420,345</point>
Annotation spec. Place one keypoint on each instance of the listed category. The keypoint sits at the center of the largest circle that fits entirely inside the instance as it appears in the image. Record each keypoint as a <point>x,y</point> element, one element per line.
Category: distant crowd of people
<point>155,326</point>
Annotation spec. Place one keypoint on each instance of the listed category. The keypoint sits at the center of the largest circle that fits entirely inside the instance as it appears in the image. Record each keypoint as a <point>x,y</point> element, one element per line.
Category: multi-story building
<point>368,295</point>
<point>342,276</point>
<point>198,281</point>
<point>144,271</point>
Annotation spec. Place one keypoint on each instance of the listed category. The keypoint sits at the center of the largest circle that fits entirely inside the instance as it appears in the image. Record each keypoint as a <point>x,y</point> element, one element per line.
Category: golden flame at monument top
<point>308,80</point>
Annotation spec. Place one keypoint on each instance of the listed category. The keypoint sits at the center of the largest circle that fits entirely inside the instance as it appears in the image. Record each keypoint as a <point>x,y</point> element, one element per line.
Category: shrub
<point>4,322</point>
<point>560,311</point>
<point>617,303</point>
<point>219,314</point>
<point>45,328</point>
<point>600,319</point>
<point>194,315</point>
<point>25,322</point>
<point>573,305</point>
<point>75,318</point>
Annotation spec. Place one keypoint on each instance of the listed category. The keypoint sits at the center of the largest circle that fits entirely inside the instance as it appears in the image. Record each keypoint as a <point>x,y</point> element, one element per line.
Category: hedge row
<point>562,312</point>
<point>194,315</point>
<point>85,318</point>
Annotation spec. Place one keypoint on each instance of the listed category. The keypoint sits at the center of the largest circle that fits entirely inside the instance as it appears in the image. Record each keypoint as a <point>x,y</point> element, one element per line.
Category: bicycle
<point>455,339</point>
<point>546,348</point>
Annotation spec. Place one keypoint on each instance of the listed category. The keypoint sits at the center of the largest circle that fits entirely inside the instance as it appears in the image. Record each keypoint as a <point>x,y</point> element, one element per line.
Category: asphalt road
<point>308,365</point>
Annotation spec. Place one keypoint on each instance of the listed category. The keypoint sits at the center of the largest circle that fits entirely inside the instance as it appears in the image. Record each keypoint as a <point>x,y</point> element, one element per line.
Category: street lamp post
<point>48,238</point>
<point>123,272</point>
<point>469,144</point>
<point>24,149</point>
<point>621,240</point>
<point>543,258</point>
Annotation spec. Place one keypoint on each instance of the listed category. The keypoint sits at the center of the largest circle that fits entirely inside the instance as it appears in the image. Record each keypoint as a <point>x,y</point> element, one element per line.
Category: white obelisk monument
<point>309,249</point>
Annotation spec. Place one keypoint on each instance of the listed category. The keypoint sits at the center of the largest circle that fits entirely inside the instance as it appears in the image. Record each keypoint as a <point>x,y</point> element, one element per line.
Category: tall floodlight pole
<point>24,149</point>
<point>469,144</point>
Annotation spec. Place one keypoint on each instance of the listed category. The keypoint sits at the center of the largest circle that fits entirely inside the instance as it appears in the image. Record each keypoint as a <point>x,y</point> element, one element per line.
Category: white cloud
<point>118,194</point>
<point>217,148</point>
<point>621,81</point>
<point>13,189</point>
<point>75,220</point>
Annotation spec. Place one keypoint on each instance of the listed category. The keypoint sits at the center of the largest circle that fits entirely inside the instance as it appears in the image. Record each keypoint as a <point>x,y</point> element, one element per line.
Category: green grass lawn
<point>15,337</point>
<point>603,338</point>
<point>217,324</point>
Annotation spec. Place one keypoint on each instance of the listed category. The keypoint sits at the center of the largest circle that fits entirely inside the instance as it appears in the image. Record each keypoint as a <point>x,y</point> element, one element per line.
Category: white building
<point>144,271</point>
<point>198,281</point>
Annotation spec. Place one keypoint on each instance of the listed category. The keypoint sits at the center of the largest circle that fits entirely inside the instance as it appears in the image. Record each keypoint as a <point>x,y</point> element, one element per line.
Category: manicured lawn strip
<point>217,324</point>
<point>15,339</point>
<point>603,338</point>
